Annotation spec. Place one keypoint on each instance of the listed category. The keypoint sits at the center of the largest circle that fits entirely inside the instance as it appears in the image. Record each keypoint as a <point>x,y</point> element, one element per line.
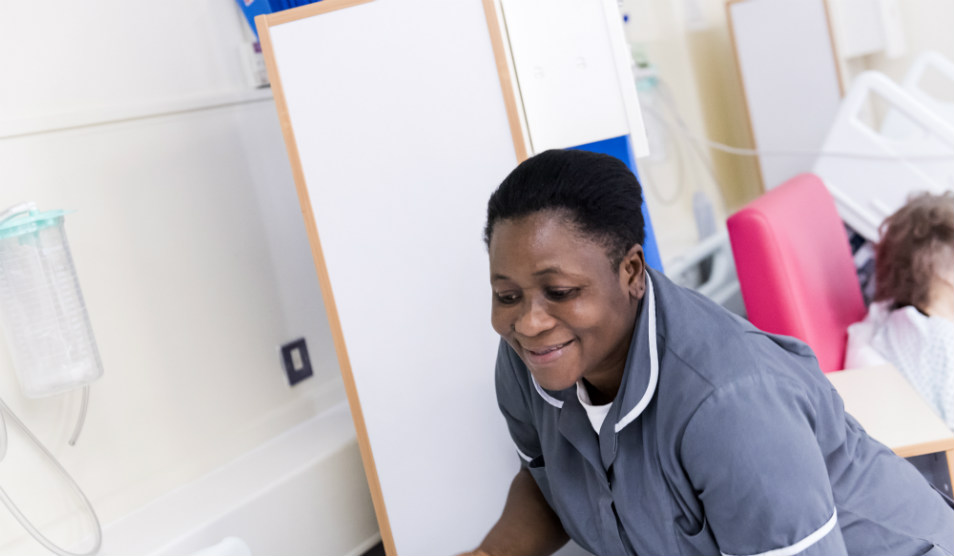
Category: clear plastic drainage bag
<point>41,305</point>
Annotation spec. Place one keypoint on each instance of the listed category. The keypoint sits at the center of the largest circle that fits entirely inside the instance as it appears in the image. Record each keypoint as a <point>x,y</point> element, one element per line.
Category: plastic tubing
<point>11,505</point>
<point>683,128</point>
<point>80,419</point>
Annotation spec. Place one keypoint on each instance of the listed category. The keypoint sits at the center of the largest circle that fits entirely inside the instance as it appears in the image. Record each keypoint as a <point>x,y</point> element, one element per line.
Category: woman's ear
<point>632,271</point>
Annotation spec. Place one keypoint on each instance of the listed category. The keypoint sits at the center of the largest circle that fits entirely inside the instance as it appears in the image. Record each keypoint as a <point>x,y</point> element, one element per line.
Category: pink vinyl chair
<point>795,267</point>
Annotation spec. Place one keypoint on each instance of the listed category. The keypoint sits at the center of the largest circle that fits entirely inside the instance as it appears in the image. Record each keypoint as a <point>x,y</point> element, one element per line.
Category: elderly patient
<point>911,322</point>
<point>648,419</point>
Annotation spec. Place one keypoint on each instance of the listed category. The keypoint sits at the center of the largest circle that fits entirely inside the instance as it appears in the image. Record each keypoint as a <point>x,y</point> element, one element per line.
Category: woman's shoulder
<point>916,343</point>
<point>908,326</point>
<point>705,339</point>
<point>888,334</point>
<point>860,351</point>
<point>911,316</point>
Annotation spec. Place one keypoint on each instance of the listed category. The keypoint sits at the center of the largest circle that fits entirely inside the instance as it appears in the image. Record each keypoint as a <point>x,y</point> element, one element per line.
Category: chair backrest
<point>795,267</point>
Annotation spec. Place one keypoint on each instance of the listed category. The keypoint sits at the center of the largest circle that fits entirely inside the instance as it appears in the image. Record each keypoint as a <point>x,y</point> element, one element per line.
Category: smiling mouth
<point>548,350</point>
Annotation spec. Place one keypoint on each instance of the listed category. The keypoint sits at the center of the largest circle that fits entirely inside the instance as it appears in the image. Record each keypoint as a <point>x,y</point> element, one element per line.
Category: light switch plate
<point>296,362</point>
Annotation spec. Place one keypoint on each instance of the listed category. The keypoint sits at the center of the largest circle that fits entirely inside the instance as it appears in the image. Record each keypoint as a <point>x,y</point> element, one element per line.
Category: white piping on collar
<point>803,544</point>
<point>653,360</point>
<point>550,399</point>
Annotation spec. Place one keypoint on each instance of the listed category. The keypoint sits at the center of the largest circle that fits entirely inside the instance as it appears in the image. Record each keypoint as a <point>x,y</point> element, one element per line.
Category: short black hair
<point>596,192</point>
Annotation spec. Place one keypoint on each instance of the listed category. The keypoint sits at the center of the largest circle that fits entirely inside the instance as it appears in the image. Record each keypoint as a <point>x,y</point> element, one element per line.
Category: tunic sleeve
<point>751,455</point>
<point>514,405</point>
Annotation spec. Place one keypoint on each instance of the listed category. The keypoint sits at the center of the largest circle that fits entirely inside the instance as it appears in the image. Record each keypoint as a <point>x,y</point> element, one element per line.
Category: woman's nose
<point>533,319</point>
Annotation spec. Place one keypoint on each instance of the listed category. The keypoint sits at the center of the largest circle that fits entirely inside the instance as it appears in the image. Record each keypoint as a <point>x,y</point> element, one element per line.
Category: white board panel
<point>568,76</point>
<point>789,73</point>
<point>401,129</point>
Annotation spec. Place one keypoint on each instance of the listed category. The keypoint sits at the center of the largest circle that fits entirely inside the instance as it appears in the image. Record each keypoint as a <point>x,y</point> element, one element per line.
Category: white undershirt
<point>596,413</point>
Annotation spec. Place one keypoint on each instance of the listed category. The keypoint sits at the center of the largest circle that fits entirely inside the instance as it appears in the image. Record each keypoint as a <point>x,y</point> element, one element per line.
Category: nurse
<point>649,420</point>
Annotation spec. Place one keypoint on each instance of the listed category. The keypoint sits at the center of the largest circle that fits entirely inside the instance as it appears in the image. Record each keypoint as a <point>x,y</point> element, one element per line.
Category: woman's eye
<point>507,298</point>
<point>559,294</point>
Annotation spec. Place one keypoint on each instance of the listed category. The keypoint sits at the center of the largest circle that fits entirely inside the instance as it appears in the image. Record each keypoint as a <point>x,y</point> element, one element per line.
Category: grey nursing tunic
<point>721,439</point>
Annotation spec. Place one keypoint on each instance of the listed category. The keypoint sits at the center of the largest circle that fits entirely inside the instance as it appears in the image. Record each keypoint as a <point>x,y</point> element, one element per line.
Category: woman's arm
<point>528,526</point>
<point>752,454</point>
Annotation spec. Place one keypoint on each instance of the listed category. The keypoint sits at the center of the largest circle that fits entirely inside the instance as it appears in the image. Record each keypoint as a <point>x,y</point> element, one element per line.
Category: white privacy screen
<point>397,130</point>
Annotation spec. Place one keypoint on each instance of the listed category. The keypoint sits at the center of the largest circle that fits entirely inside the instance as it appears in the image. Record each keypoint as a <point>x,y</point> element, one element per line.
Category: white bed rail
<point>870,174</point>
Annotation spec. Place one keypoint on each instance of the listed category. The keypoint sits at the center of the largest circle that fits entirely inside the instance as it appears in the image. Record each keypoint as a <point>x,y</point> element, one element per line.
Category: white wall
<point>925,25</point>
<point>188,240</point>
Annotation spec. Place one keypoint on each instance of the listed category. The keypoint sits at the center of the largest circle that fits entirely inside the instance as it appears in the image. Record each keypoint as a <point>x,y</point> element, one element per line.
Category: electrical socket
<point>296,361</point>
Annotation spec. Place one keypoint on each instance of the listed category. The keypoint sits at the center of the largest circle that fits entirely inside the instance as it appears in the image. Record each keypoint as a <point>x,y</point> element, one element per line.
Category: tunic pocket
<point>697,540</point>
<point>539,473</point>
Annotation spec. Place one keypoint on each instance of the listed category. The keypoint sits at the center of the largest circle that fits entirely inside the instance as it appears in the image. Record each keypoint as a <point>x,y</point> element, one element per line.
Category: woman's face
<point>558,302</point>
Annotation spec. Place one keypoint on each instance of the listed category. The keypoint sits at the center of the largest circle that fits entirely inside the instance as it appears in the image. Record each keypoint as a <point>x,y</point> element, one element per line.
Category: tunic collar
<point>641,373</point>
